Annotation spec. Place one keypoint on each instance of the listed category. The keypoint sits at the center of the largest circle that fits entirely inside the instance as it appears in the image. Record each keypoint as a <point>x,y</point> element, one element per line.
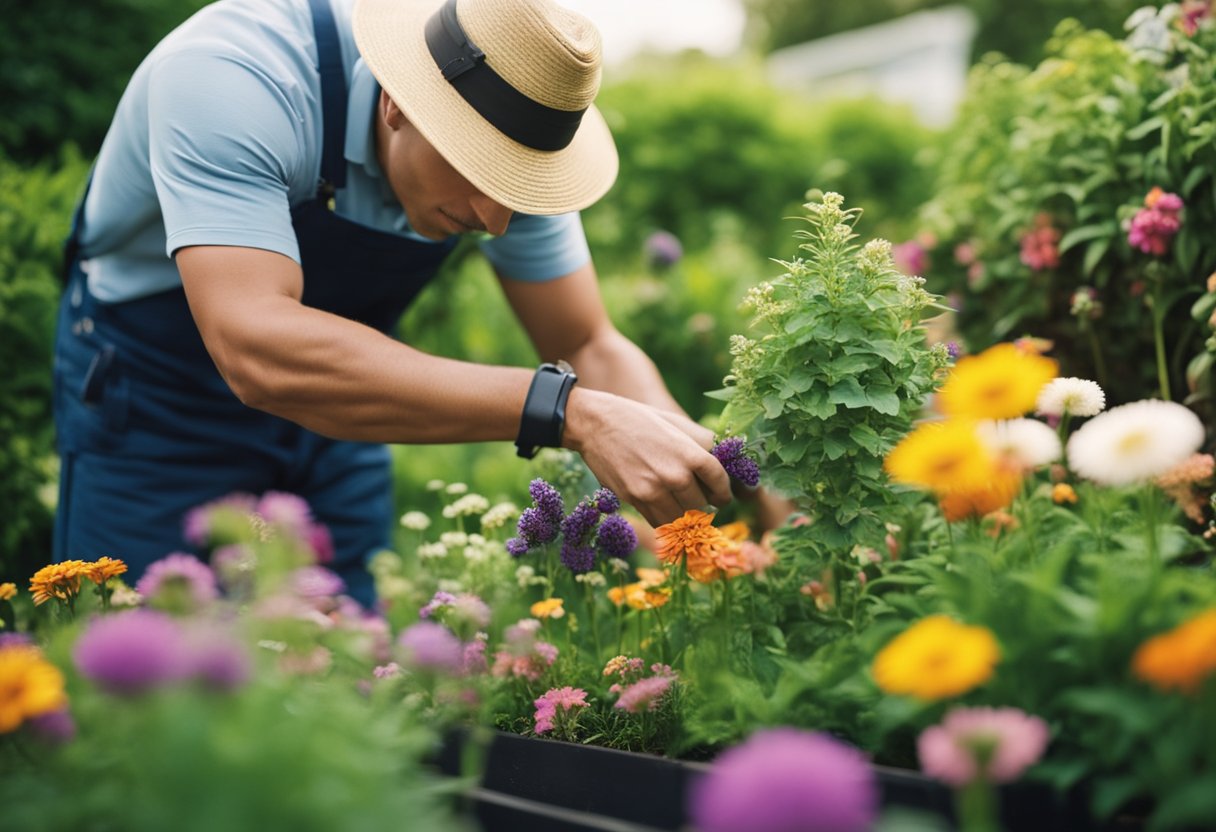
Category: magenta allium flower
<point>197,525</point>
<point>392,670</point>
<point>1155,225</point>
<point>179,582</point>
<point>663,249</point>
<point>474,659</point>
<point>547,705</point>
<point>431,646</point>
<point>288,510</point>
<point>218,659</point>
<point>320,541</point>
<point>786,780</point>
<point>315,582</point>
<point>911,258</point>
<point>132,652</point>
<point>1040,245</point>
<point>996,744</point>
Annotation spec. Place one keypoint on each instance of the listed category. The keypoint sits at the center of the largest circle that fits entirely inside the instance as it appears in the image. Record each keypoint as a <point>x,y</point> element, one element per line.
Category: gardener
<point>255,227</point>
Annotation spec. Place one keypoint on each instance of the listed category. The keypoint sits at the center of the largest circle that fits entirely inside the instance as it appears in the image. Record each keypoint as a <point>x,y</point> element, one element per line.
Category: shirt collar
<point>360,138</point>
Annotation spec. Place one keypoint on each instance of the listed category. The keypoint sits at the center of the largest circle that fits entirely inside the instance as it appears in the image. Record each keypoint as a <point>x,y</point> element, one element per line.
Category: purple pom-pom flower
<point>616,537</point>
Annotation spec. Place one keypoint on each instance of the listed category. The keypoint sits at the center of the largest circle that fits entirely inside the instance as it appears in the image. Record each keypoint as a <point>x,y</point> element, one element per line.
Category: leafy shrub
<point>35,212</point>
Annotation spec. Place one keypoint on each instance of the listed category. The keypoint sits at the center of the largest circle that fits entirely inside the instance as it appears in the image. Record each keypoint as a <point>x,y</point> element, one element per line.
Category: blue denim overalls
<point>147,429</point>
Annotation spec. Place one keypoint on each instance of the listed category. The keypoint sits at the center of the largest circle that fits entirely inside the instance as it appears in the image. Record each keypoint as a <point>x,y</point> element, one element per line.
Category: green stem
<point>976,804</point>
<point>1163,373</point>
<point>595,633</point>
<point>1096,349</point>
<point>1149,503</point>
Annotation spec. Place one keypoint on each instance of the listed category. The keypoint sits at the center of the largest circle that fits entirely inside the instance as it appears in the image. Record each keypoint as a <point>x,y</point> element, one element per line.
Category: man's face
<point>438,201</point>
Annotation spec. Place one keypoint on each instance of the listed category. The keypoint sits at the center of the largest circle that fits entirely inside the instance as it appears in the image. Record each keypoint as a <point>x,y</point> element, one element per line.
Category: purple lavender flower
<point>517,547</point>
<point>606,501</point>
<point>548,500</point>
<point>579,524</point>
<point>577,558</point>
<point>953,350</point>
<point>780,778</point>
<point>663,249</point>
<point>431,646</point>
<point>731,453</point>
<point>316,582</point>
<point>616,537</point>
<point>438,600</point>
<point>178,582</point>
<point>132,652</point>
<point>536,528</point>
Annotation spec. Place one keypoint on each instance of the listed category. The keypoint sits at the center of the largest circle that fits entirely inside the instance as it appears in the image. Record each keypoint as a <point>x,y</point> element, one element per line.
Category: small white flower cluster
<point>619,566</point>
<point>499,515</point>
<point>435,485</point>
<point>432,550</point>
<point>467,506</point>
<point>456,489</point>
<point>454,540</point>
<point>415,520</point>
<point>591,578</point>
<point>526,576</point>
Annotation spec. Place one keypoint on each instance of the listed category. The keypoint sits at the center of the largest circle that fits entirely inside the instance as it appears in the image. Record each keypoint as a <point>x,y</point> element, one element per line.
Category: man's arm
<point>346,380</point>
<point>631,448</point>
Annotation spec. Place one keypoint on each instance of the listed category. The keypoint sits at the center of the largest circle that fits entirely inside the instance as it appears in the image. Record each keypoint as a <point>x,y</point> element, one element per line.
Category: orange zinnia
<point>59,580</point>
<point>998,493</point>
<point>1182,658</point>
<point>102,569</point>
<point>691,534</point>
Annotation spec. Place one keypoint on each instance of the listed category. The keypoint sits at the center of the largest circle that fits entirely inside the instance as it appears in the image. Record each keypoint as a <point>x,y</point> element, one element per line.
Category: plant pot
<point>535,785</point>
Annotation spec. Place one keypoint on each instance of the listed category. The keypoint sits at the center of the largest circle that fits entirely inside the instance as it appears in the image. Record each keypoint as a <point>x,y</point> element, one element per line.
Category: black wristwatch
<point>544,416</point>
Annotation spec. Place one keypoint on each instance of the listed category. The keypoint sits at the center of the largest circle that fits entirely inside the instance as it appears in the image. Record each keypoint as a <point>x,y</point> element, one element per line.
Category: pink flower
<point>547,705</point>
<point>646,694</point>
<point>1155,225</point>
<point>910,258</point>
<point>993,744</point>
<point>1040,245</point>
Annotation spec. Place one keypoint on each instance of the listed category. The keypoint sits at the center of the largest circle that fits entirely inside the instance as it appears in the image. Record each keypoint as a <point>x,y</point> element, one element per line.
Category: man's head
<point>499,94</point>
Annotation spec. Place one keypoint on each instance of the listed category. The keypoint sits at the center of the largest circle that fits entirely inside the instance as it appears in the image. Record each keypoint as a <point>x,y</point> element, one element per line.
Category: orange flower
<point>997,494</point>
<point>690,534</point>
<point>1062,493</point>
<point>639,596</point>
<point>737,531</point>
<point>102,569</point>
<point>8,591</point>
<point>59,580</point>
<point>1182,658</point>
<point>549,608</point>
<point>30,686</point>
<point>652,577</point>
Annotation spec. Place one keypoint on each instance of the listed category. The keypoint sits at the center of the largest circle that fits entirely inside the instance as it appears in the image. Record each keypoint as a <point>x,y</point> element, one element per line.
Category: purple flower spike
<point>616,537</point>
<point>517,547</point>
<point>548,500</point>
<point>606,501</point>
<point>731,453</point>
<point>577,559</point>
<point>132,652</point>
<point>536,527</point>
<point>781,779</point>
<point>578,525</point>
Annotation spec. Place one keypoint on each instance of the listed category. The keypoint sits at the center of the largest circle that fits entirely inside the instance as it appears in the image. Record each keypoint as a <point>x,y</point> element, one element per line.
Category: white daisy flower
<point>1075,396</point>
<point>1023,443</point>
<point>456,489</point>
<point>432,550</point>
<point>415,520</point>
<point>1134,442</point>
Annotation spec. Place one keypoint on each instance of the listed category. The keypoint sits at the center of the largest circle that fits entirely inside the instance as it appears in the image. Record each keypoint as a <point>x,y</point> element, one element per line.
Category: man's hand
<point>656,461</point>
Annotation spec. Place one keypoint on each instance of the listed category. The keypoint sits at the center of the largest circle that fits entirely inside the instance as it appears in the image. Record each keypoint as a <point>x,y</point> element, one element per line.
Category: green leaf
<point>725,394</point>
<point>1087,232</point>
<point>773,406</point>
<point>848,392</point>
<point>866,437</point>
<point>883,400</point>
<point>1145,127</point>
<point>1202,309</point>
<point>1096,251</point>
<point>833,448</point>
<point>849,364</point>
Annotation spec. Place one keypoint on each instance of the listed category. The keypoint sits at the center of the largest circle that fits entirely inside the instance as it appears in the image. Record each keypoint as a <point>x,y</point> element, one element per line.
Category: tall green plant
<point>832,379</point>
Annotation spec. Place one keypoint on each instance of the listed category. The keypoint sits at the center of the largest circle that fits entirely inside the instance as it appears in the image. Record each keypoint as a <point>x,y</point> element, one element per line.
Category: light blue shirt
<point>218,137</point>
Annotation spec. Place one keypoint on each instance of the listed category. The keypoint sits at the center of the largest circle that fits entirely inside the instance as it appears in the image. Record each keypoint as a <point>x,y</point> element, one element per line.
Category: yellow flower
<point>652,577</point>
<point>737,531</point>
<point>1002,382</point>
<point>8,591</point>
<point>994,495</point>
<point>102,569</point>
<point>639,596</point>
<point>936,658</point>
<point>30,686</point>
<point>1062,493</point>
<point>59,580</point>
<point>1182,658</point>
<point>549,608</point>
<point>943,456</point>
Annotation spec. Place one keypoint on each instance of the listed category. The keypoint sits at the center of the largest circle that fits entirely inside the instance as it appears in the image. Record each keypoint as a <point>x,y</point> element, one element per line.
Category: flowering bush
<point>1074,199</point>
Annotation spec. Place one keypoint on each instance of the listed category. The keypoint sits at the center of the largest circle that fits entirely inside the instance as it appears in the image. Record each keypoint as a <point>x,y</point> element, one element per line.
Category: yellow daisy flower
<point>30,686</point>
<point>102,569</point>
<point>936,658</point>
<point>549,608</point>
<point>946,457</point>
<point>8,591</point>
<point>59,580</point>
<point>1002,382</point>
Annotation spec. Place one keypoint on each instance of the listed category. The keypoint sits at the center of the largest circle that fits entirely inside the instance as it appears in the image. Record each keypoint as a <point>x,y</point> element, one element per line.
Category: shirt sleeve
<point>537,248</point>
<point>223,143</point>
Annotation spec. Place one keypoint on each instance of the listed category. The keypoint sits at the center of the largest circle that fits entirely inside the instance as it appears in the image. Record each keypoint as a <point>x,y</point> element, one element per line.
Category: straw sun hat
<point>506,116</point>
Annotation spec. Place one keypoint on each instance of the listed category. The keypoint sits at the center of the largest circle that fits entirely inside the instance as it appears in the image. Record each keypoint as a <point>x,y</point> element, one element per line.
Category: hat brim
<point>389,34</point>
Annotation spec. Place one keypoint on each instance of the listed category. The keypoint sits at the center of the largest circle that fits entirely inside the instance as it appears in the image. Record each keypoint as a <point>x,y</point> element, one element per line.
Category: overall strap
<point>71,246</point>
<point>333,100</point>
